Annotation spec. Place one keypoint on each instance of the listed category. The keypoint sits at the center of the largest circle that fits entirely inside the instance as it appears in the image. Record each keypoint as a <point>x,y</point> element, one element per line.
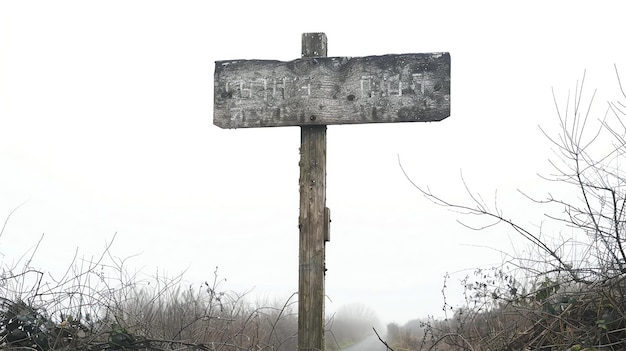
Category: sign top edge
<point>435,55</point>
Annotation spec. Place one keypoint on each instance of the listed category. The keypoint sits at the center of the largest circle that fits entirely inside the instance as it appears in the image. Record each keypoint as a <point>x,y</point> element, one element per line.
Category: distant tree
<point>409,336</point>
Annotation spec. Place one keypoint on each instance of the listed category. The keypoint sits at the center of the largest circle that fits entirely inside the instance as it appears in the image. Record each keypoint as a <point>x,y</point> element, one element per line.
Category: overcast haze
<point>106,127</point>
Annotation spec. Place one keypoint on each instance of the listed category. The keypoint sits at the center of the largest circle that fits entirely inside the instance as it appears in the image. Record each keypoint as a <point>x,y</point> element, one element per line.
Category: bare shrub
<point>98,304</point>
<point>567,292</point>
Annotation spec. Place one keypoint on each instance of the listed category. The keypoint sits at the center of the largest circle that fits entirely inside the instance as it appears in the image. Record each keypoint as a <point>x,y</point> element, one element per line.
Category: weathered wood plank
<point>332,90</point>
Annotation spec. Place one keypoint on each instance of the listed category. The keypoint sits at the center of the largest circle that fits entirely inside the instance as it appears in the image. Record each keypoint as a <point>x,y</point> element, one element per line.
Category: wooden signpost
<point>313,92</point>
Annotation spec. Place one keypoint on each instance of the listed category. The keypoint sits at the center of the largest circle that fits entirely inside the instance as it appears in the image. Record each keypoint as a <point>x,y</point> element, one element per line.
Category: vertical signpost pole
<point>313,92</point>
<point>312,222</point>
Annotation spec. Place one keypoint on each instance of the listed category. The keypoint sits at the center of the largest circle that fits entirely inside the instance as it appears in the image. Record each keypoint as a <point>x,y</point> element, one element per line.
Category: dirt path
<point>371,343</point>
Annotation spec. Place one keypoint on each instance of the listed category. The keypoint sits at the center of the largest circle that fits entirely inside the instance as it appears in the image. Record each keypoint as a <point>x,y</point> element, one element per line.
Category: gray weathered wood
<point>313,221</point>
<point>332,90</point>
<point>313,92</point>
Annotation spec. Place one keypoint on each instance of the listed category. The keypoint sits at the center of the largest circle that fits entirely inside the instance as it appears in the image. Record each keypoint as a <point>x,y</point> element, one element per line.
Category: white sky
<point>106,126</point>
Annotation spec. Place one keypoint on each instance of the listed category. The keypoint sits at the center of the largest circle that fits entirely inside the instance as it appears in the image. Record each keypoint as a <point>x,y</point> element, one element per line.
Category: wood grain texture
<point>312,221</point>
<point>332,90</point>
<point>312,224</point>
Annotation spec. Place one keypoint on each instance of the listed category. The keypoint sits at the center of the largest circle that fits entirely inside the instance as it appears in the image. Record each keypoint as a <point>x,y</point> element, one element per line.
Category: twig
<point>9,216</point>
<point>381,340</point>
<point>451,334</point>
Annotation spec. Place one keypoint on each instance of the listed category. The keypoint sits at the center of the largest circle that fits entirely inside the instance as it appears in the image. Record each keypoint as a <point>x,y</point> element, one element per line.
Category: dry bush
<point>98,305</point>
<point>568,292</point>
<point>410,336</point>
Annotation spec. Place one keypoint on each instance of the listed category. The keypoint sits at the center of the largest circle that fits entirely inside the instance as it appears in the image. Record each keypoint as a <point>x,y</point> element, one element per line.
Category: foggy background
<point>106,127</point>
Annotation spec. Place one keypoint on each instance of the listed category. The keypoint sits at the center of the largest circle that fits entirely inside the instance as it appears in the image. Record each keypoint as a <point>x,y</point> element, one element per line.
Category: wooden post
<point>313,92</point>
<point>313,220</point>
